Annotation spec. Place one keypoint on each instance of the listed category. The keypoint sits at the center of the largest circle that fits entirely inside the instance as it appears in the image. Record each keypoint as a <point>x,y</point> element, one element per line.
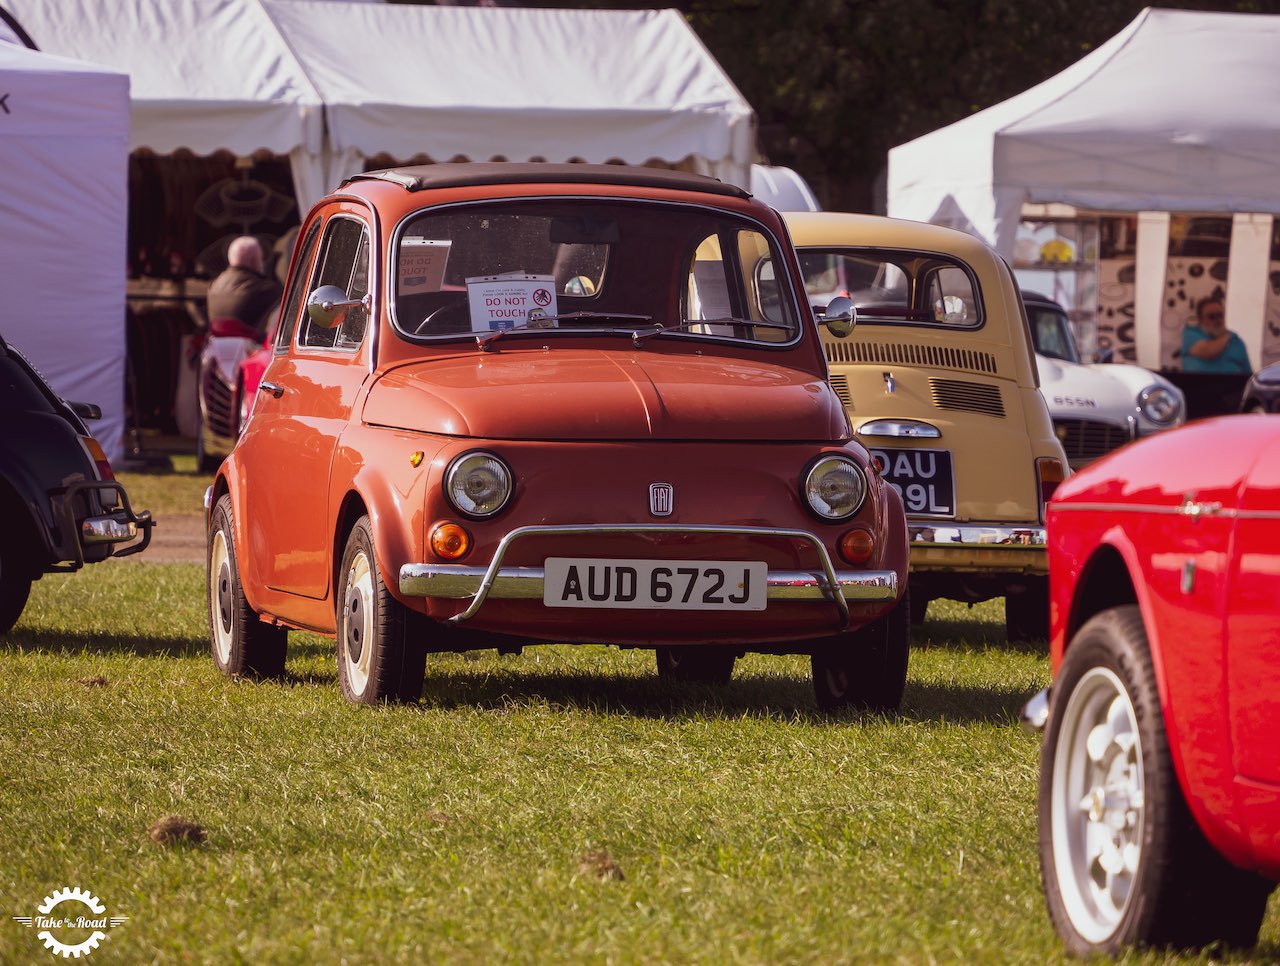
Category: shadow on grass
<point>60,642</point>
<point>757,697</point>
<point>971,635</point>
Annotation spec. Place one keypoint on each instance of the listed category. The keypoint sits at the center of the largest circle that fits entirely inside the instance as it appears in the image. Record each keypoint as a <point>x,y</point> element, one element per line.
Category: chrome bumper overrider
<point>457,581</point>
<point>1035,712</point>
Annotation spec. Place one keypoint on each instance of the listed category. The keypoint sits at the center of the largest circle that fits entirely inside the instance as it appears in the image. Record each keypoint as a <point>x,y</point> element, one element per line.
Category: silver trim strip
<point>977,535</point>
<point>1187,509</point>
<point>459,581</point>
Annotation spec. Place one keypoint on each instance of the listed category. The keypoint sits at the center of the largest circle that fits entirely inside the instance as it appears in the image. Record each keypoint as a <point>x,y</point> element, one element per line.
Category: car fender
<point>1207,778</point>
<point>392,488</point>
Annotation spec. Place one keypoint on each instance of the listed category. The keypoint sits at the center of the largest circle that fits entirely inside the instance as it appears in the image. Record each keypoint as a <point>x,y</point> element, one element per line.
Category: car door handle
<point>274,388</point>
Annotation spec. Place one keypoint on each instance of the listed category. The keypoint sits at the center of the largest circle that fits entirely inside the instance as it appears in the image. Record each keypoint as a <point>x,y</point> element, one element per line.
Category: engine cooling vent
<point>973,397</point>
<point>907,354</point>
<point>841,385</point>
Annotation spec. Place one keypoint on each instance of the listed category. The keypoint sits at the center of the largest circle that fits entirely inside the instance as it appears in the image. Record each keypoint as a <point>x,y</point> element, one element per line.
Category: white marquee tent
<point>64,132</point>
<point>330,83</point>
<point>1180,111</point>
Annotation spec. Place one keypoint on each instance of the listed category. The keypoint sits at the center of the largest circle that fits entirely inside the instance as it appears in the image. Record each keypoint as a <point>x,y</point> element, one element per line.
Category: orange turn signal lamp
<point>857,546</point>
<point>450,541</point>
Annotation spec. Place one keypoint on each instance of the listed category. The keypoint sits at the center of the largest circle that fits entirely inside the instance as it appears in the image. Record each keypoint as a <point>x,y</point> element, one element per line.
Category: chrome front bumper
<point>457,581</point>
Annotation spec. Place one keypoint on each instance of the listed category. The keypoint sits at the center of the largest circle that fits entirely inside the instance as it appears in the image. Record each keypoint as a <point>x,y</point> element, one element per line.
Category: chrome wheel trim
<point>220,591</point>
<point>1097,805</point>
<point>357,623</point>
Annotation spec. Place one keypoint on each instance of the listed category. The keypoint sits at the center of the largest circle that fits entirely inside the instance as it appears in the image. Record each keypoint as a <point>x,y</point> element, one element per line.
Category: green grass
<point>747,827</point>
<point>177,490</point>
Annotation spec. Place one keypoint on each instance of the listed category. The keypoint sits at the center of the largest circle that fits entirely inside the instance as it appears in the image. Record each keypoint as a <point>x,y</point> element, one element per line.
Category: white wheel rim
<point>357,623</point>
<point>221,616</point>
<point>1097,804</point>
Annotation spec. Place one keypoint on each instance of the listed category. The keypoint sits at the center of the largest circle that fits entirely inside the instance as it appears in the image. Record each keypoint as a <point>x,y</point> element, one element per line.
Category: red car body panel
<point>375,430</point>
<point>1191,519</point>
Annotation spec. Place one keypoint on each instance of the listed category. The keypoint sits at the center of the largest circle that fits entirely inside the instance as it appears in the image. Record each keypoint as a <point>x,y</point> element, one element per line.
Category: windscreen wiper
<point>640,337</point>
<point>486,340</point>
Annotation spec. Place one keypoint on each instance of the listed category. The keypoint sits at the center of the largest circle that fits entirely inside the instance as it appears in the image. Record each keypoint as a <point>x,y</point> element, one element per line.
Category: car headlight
<point>478,484</point>
<point>1160,404</point>
<point>835,487</point>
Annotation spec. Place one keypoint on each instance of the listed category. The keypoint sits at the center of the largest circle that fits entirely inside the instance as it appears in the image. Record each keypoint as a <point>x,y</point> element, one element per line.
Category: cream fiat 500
<point>939,380</point>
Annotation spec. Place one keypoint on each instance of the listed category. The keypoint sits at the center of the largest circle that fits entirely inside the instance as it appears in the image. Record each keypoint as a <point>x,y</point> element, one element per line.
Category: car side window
<point>344,262</point>
<point>298,292</point>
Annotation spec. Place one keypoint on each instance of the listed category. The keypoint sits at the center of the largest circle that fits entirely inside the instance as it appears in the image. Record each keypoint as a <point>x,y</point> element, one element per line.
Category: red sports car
<point>518,403</point>
<point>1160,773</point>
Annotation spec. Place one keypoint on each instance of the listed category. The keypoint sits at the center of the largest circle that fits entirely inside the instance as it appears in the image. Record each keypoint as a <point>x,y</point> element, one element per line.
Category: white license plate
<point>655,584</point>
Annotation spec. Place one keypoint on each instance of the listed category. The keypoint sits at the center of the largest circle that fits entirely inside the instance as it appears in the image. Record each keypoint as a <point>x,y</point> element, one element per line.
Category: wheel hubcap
<point>357,623</point>
<point>220,596</point>
<point>1098,804</point>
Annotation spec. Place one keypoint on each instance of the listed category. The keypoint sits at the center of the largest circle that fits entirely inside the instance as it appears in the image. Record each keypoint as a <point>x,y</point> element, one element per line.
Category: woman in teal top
<point>1209,346</point>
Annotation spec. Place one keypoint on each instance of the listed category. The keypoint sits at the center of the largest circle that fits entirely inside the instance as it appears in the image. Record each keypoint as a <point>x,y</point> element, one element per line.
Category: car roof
<point>422,177</point>
<point>820,228</point>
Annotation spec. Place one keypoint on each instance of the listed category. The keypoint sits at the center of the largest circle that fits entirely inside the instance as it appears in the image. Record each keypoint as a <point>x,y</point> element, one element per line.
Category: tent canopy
<point>329,83</point>
<point>64,150</point>
<point>1180,111</point>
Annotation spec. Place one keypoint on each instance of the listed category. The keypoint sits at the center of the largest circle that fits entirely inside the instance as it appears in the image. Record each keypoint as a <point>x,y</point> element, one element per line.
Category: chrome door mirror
<point>327,306</point>
<point>840,317</point>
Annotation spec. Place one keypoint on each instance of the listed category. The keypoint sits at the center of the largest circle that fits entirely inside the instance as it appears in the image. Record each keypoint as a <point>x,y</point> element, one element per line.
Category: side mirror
<point>840,316</point>
<point>85,410</point>
<point>327,306</point>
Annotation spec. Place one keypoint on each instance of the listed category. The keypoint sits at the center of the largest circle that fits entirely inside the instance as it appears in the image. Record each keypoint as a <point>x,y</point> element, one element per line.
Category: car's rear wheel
<point>696,663</point>
<point>378,657</point>
<point>241,643</point>
<point>867,668</point>
<point>1122,860</point>
<point>15,582</point>
<point>1026,612</point>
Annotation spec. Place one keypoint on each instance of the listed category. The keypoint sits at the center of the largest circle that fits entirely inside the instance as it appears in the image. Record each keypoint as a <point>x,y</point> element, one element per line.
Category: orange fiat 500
<point>523,403</point>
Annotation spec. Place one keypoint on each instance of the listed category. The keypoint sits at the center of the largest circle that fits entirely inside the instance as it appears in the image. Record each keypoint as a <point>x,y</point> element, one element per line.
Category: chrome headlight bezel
<point>1160,404</point>
<point>469,466</point>
<point>828,469</point>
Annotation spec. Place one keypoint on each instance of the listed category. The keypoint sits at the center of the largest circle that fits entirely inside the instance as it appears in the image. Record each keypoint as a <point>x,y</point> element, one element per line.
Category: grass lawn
<point>561,806</point>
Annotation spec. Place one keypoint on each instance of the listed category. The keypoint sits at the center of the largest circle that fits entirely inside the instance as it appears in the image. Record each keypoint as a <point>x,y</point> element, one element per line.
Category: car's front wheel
<point>15,582</point>
<point>1122,859</point>
<point>865,669</point>
<point>378,657</point>
<point>241,643</point>
<point>697,664</point>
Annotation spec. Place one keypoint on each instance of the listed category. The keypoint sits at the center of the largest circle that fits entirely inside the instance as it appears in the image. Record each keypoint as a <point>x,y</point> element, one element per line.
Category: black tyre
<point>15,583</point>
<point>919,606</point>
<point>241,643</point>
<point>1122,860</point>
<point>378,657</point>
<point>1026,612</point>
<point>865,669</point>
<point>696,663</point>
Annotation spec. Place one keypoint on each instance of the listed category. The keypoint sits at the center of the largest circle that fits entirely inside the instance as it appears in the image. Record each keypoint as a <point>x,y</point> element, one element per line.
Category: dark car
<point>1262,392</point>
<point>62,503</point>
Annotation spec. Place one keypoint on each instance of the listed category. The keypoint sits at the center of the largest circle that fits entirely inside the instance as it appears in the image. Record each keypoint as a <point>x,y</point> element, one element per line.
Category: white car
<point>1099,407</point>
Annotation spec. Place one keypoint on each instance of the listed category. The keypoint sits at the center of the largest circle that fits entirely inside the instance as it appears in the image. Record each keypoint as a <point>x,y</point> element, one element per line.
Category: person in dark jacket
<point>243,291</point>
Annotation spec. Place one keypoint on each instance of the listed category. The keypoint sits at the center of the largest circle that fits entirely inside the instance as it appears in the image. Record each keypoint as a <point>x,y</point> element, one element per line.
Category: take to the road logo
<point>72,922</point>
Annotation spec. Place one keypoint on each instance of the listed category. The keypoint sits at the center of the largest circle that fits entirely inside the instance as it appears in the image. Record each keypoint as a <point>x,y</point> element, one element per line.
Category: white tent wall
<point>1179,112</point>
<point>206,75</point>
<point>519,84</point>
<point>64,153</point>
